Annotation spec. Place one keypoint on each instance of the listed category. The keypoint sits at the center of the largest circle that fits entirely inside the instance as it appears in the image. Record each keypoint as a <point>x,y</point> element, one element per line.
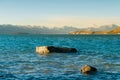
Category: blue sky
<point>58,13</point>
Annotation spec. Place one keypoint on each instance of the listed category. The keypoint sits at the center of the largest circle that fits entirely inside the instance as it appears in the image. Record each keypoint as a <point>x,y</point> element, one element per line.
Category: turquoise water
<point>19,61</point>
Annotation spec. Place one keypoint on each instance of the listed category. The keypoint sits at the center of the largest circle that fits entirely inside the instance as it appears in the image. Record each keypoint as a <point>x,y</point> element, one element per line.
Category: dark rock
<point>53,49</point>
<point>88,70</point>
<point>1,75</point>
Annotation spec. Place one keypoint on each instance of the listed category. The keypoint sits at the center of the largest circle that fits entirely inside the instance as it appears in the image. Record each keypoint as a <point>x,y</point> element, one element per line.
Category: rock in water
<point>53,49</point>
<point>88,69</point>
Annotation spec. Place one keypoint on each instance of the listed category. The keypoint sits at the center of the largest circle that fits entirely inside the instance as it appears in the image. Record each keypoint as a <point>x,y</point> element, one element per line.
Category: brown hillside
<point>100,32</point>
<point>81,32</point>
<point>115,31</point>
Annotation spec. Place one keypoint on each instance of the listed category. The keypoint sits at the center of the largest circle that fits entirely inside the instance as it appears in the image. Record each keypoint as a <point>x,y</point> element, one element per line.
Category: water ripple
<point>18,60</point>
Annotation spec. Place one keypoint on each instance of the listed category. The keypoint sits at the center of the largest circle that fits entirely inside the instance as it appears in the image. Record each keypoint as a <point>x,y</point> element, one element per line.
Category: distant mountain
<point>102,28</point>
<point>18,29</point>
<point>114,31</point>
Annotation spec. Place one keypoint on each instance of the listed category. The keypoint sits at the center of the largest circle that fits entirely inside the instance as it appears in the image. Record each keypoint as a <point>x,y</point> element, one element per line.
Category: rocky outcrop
<point>100,32</point>
<point>81,32</point>
<point>53,49</point>
<point>87,69</point>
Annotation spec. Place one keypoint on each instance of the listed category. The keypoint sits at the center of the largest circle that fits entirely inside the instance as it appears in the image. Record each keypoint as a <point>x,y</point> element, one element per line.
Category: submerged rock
<point>53,49</point>
<point>88,69</point>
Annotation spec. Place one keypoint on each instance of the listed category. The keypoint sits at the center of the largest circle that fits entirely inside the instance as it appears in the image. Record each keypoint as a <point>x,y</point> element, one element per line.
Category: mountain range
<point>113,31</point>
<point>18,29</point>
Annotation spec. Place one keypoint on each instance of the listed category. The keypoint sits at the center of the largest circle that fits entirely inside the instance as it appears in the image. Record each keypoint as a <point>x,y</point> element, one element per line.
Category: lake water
<point>19,61</point>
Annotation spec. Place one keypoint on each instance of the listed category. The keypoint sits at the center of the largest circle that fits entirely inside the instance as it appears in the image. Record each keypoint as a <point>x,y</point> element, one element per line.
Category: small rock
<point>88,69</point>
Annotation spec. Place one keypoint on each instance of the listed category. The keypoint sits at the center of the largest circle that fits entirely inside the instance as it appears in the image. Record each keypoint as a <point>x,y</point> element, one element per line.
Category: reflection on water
<point>18,59</point>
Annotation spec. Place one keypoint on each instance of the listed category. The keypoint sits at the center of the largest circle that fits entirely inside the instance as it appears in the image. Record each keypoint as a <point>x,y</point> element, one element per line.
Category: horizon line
<point>28,25</point>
